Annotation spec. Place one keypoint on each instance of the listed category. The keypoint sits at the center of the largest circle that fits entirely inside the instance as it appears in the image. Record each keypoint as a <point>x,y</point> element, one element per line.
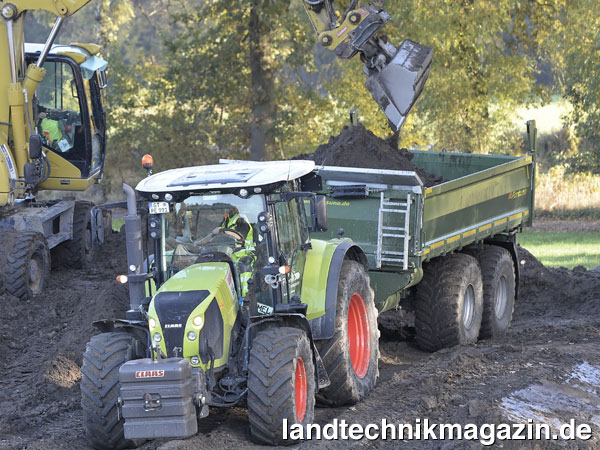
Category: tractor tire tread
<point>270,382</point>
<point>104,355</point>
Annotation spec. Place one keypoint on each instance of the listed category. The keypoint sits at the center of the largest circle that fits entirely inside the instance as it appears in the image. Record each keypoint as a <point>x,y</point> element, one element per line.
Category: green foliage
<point>195,80</point>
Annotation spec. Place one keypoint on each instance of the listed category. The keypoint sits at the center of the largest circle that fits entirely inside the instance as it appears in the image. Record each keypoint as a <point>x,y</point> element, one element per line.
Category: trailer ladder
<point>392,241</point>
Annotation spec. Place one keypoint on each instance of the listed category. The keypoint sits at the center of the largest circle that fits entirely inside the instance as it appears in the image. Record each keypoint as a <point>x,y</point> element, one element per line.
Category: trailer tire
<point>351,356</point>
<point>104,355</point>
<point>498,275</point>
<point>27,265</point>
<point>281,383</point>
<point>79,252</point>
<point>449,302</point>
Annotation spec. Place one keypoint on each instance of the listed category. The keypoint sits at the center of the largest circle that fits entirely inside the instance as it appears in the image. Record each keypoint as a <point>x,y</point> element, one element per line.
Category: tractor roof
<point>229,175</point>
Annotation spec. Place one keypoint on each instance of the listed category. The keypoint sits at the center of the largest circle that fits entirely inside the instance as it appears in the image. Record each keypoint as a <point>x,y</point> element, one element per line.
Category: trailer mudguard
<point>319,290</point>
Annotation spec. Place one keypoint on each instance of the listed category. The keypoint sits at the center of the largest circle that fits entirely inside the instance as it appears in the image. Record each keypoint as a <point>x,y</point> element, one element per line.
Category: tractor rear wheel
<point>27,264</point>
<point>449,302</point>
<point>104,355</point>
<point>79,252</point>
<point>498,274</point>
<point>351,356</point>
<point>281,383</point>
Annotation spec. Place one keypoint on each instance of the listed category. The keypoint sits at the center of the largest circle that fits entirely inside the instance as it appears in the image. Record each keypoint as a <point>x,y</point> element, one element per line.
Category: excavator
<point>52,137</point>
<point>52,126</point>
<point>395,75</point>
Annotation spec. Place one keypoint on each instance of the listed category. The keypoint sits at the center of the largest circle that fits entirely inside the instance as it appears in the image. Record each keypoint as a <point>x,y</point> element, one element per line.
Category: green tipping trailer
<point>412,234</point>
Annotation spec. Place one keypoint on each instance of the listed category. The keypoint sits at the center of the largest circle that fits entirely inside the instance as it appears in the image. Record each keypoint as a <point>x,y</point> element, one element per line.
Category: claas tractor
<point>231,302</point>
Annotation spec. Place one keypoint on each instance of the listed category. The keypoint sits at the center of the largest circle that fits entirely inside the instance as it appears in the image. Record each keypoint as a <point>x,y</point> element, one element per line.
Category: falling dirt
<point>356,146</point>
<point>551,354</point>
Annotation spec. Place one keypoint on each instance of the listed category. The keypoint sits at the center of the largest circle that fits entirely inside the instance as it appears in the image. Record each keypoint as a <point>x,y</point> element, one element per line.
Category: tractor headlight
<point>192,335</point>
<point>157,337</point>
<point>198,321</point>
<point>152,322</point>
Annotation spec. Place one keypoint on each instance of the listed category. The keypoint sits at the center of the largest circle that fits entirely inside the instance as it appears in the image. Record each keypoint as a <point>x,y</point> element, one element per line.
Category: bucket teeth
<point>398,85</point>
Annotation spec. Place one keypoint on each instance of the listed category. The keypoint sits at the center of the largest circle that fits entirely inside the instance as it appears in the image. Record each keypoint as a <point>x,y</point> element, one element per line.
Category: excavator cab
<point>69,116</point>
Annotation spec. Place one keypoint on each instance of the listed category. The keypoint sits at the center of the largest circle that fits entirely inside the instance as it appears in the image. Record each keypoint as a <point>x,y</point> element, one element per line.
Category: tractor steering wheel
<point>233,233</point>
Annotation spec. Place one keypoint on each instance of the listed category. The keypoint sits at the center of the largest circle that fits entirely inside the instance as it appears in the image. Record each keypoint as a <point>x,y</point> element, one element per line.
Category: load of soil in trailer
<point>356,146</point>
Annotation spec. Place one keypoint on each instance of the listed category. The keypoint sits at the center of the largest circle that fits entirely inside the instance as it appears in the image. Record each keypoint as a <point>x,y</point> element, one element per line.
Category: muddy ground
<point>547,368</point>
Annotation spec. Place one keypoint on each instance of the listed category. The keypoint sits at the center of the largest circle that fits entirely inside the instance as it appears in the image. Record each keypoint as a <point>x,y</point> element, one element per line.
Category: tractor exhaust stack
<point>135,255</point>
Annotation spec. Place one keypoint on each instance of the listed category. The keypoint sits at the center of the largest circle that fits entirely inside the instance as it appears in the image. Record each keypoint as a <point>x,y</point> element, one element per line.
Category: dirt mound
<point>557,291</point>
<point>356,146</point>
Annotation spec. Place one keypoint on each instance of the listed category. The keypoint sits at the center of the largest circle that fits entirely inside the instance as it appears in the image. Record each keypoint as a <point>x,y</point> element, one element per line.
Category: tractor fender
<point>293,320</point>
<point>323,327</point>
<point>137,328</point>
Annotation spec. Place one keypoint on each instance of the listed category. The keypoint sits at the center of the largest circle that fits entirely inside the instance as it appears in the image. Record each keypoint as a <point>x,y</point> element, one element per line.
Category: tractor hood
<point>193,312</point>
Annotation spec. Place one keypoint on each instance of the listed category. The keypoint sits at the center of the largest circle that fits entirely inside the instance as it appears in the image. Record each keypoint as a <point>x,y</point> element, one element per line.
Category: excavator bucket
<point>398,85</point>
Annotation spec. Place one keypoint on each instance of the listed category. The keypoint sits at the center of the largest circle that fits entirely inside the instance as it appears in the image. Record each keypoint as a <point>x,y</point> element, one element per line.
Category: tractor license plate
<point>158,207</point>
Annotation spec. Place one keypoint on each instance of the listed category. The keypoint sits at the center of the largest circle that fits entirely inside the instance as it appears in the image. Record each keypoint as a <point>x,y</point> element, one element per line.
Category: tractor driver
<point>244,256</point>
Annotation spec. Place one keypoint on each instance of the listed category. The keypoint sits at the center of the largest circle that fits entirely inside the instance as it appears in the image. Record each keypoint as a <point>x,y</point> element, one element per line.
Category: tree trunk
<point>262,85</point>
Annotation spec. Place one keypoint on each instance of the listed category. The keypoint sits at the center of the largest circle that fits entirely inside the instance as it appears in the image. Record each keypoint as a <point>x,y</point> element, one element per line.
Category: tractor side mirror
<point>319,214</point>
<point>35,146</point>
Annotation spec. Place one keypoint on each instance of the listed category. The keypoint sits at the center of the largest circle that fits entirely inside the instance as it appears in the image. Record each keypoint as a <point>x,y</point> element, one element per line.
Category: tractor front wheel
<point>104,355</point>
<point>351,356</point>
<point>281,383</point>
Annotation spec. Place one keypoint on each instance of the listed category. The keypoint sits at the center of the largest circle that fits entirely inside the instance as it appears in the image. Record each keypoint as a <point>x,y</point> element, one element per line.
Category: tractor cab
<point>248,215</point>
<point>68,114</point>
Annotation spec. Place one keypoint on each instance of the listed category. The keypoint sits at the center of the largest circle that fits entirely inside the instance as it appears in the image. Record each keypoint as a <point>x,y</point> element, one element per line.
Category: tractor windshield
<point>222,224</point>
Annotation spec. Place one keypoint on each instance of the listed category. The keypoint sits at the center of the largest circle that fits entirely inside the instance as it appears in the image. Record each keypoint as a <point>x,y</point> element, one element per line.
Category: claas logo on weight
<point>150,374</point>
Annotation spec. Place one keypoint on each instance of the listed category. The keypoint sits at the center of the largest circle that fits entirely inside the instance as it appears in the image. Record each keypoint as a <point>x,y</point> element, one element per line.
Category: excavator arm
<point>396,76</point>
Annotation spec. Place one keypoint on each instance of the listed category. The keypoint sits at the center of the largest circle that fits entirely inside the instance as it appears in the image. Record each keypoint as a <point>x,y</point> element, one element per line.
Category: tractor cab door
<point>293,237</point>
<point>68,114</point>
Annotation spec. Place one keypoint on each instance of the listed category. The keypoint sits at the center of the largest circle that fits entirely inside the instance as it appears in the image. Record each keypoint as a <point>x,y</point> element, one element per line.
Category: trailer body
<point>401,224</point>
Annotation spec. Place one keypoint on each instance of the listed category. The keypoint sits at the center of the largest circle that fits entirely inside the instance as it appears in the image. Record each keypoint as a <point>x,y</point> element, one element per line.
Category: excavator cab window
<point>68,114</point>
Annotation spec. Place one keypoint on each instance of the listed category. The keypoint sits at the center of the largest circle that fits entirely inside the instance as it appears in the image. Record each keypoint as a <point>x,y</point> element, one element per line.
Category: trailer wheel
<point>79,252</point>
<point>351,356</point>
<point>104,355</point>
<point>449,302</point>
<point>281,383</point>
<point>27,264</point>
<point>498,274</point>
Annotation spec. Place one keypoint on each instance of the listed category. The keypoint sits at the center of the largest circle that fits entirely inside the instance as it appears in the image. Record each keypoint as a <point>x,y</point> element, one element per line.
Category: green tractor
<point>232,302</point>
